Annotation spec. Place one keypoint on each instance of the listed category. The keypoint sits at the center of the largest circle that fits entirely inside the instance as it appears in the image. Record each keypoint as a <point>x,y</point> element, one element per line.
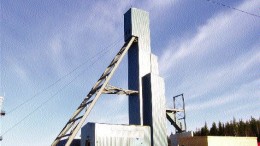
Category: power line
<point>63,77</point>
<point>230,7</point>
<point>41,105</point>
<point>56,93</point>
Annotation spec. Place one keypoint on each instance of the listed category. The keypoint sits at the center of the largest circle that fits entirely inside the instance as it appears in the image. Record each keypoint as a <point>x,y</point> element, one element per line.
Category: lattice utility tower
<point>146,88</point>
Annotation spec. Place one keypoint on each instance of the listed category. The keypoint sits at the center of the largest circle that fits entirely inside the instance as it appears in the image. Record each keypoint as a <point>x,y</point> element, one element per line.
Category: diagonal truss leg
<point>77,119</point>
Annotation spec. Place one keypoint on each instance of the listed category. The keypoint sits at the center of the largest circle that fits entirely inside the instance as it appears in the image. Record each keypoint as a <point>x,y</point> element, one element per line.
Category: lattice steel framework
<point>177,116</point>
<point>100,87</point>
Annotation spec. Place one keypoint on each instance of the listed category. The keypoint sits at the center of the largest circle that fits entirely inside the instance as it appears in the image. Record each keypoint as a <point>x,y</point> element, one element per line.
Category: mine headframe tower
<point>146,88</point>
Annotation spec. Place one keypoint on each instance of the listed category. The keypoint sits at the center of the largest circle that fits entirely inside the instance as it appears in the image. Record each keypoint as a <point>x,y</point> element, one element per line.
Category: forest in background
<point>248,128</point>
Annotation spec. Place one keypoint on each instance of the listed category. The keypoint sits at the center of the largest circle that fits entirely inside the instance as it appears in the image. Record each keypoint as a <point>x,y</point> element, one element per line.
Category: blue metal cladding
<point>154,108</point>
<point>147,108</point>
<point>136,23</point>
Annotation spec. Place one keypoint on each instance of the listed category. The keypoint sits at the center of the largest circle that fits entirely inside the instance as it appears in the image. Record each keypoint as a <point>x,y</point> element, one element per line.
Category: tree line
<point>249,127</point>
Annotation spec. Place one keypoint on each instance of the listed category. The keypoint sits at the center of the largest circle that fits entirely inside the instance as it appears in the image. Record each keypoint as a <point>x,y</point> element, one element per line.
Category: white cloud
<point>217,33</point>
<point>223,76</point>
<point>56,46</point>
<point>100,19</point>
<point>87,32</point>
<point>216,84</point>
<point>55,52</point>
<point>18,69</point>
<point>155,4</point>
<point>248,92</point>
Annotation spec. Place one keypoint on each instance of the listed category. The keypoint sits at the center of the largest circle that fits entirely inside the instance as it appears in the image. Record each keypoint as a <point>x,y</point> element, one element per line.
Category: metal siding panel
<point>149,106</point>
<point>140,27</point>
<point>127,25</point>
<point>90,127</point>
<point>138,60</point>
<point>154,64</point>
<point>154,102</point>
<point>158,92</point>
<point>133,84</point>
<point>118,135</point>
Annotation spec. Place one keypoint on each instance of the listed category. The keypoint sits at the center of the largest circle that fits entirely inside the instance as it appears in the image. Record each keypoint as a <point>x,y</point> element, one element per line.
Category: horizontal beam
<point>175,110</point>
<point>109,89</point>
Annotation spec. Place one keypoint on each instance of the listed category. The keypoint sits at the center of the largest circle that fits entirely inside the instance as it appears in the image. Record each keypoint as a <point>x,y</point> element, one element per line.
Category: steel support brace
<point>109,89</point>
<point>72,127</point>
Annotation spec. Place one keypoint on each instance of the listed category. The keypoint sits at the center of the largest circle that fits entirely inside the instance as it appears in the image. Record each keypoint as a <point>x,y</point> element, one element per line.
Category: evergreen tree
<point>253,126</point>
<point>241,128</point>
<point>232,128</point>
<point>204,130</point>
<point>258,130</point>
<point>247,128</point>
<point>197,132</point>
<point>213,129</point>
<point>228,129</point>
<point>220,129</point>
<point>235,127</point>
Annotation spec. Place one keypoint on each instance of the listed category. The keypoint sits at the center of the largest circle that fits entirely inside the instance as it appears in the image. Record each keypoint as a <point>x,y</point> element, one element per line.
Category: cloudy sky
<point>209,52</point>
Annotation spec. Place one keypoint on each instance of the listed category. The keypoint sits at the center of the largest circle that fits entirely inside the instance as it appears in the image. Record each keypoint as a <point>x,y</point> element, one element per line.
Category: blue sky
<point>206,51</point>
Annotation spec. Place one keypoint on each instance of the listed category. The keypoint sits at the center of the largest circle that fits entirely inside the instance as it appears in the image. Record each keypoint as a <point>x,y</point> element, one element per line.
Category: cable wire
<point>53,96</point>
<point>230,7</point>
<point>63,77</point>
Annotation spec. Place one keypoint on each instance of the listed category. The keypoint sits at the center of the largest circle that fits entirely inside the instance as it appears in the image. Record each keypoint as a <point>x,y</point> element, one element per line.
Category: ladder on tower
<point>100,87</point>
